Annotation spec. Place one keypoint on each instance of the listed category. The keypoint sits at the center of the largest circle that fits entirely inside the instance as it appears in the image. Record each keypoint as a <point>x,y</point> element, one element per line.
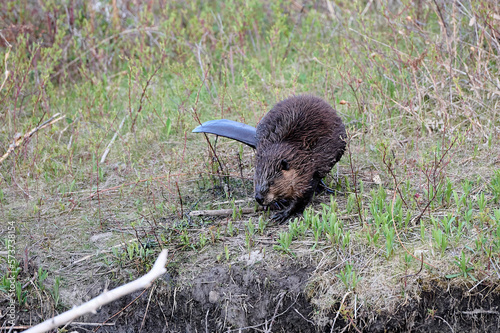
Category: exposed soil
<point>256,298</point>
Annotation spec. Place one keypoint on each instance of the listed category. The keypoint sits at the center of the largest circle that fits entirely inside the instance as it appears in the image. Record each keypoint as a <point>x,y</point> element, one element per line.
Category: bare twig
<point>354,177</point>
<point>391,171</point>
<point>7,72</point>
<point>20,139</point>
<point>338,312</point>
<point>451,328</point>
<point>435,174</point>
<point>269,329</point>
<point>220,212</point>
<point>480,311</point>
<point>404,277</point>
<point>103,158</point>
<point>142,97</point>
<point>180,198</point>
<point>105,298</point>
<point>92,324</point>
<point>147,307</point>
<point>241,329</point>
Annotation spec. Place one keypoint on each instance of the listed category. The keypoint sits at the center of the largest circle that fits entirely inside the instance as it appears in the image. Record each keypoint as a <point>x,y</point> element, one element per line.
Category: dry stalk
<point>21,139</point>
<point>7,72</point>
<point>438,166</point>
<point>103,158</point>
<point>391,171</point>
<point>180,198</point>
<point>354,177</point>
<point>221,212</point>
<point>141,100</point>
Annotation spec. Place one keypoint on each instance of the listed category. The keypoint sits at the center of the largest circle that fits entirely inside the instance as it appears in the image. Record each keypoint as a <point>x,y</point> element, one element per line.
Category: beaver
<point>298,142</point>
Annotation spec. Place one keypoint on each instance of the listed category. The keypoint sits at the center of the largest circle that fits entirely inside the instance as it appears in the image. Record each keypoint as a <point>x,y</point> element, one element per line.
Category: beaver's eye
<point>284,165</point>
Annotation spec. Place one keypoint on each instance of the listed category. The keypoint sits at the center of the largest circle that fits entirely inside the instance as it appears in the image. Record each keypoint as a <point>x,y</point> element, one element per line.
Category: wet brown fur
<point>298,143</point>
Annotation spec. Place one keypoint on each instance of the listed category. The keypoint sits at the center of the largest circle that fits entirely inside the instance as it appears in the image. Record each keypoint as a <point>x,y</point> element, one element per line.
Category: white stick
<point>220,212</point>
<point>112,140</point>
<point>106,297</point>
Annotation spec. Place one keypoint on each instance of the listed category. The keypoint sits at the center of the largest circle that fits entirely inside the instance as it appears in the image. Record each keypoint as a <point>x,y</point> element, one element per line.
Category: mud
<point>229,298</point>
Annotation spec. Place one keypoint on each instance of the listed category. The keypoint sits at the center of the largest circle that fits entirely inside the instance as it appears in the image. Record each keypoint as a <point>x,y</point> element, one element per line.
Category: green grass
<point>419,97</point>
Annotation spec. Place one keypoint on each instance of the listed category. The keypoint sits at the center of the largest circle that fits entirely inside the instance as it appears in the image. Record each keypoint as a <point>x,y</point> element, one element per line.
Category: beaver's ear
<point>284,165</point>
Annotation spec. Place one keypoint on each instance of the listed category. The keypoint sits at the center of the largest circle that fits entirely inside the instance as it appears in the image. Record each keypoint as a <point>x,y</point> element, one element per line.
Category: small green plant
<point>351,200</point>
<point>5,284</point>
<point>481,241</point>
<point>459,200</point>
<point>168,127</point>
<point>42,276</point>
<point>448,192</point>
<point>308,217</point>
<point>237,211</point>
<point>131,250</point>
<point>440,239</point>
<point>348,277</point>
<point>468,216</point>
<point>408,259</point>
<point>230,228</point>
<point>333,229</point>
<point>297,227</point>
<point>380,218</point>
<point>373,236</point>
<point>496,232</point>
<point>138,205</point>
<point>202,239</point>
<point>135,250</point>
<point>389,233</point>
<point>185,240</point>
<point>495,186</point>
<point>334,206</point>
<point>460,230</point>
<point>463,265</point>
<point>21,295</point>
<point>481,202</point>
<point>249,234</point>
<point>262,224</point>
<point>55,291</point>
<point>422,230</point>
<point>284,241</point>
<point>101,174</point>
<point>317,229</point>
<point>11,277</point>
<point>346,240</point>
<point>448,224</point>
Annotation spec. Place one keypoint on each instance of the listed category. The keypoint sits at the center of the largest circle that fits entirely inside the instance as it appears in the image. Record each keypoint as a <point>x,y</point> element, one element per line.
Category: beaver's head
<point>281,174</point>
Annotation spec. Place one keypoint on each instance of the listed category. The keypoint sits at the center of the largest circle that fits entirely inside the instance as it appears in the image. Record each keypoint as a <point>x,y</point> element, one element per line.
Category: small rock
<point>252,257</point>
<point>213,296</point>
<point>377,180</point>
<point>103,236</point>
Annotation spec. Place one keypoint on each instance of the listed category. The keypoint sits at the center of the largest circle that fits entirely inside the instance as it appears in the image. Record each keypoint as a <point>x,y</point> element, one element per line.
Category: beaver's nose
<point>259,198</point>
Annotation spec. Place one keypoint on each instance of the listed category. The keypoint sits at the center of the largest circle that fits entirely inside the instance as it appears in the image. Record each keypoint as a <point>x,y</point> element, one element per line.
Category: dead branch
<point>103,158</point>
<point>220,212</point>
<point>20,139</point>
<point>7,72</point>
<point>105,298</point>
